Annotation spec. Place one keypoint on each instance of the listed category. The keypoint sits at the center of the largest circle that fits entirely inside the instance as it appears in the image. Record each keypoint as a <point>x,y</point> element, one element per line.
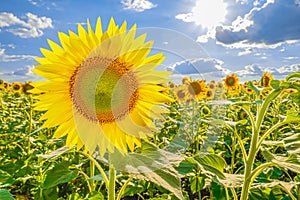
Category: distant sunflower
<point>210,94</point>
<point>186,80</point>
<point>231,81</point>
<point>220,85</point>
<point>16,86</point>
<point>1,84</point>
<point>181,93</point>
<point>212,85</point>
<point>27,87</point>
<point>102,88</point>
<point>6,85</point>
<point>248,90</point>
<point>266,79</point>
<point>197,89</point>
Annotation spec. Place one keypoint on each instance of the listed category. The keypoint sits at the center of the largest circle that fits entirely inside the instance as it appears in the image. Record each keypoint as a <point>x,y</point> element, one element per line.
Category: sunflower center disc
<point>231,81</point>
<point>195,88</point>
<point>103,90</point>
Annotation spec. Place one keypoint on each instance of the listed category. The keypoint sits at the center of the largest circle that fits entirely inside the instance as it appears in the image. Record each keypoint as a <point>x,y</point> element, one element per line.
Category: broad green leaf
<point>59,174</point>
<point>218,192</point>
<point>186,167</point>
<point>212,164</point>
<point>293,75</point>
<point>154,166</point>
<point>292,162</point>
<point>261,194</point>
<point>287,185</point>
<point>275,84</point>
<point>6,195</point>
<point>292,116</point>
<point>96,196</point>
<point>232,180</point>
<point>56,153</point>
<point>196,183</point>
<point>292,143</point>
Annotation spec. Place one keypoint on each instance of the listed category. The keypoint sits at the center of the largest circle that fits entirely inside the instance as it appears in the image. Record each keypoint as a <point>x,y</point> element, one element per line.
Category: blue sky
<point>207,37</point>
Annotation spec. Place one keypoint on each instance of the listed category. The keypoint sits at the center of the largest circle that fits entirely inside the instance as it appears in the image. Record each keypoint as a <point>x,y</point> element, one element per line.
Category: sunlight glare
<point>209,13</point>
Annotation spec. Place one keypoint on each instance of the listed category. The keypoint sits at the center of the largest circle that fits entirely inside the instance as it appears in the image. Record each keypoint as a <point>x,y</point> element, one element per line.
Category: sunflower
<point>186,80</point>
<point>210,94</point>
<point>266,79</point>
<point>220,85</point>
<point>197,89</point>
<point>102,89</point>
<point>6,84</point>
<point>248,90</point>
<point>180,93</point>
<point>16,86</point>
<point>212,85</point>
<point>1,84</point>
<point>231,82</point>
<point>26,87</point>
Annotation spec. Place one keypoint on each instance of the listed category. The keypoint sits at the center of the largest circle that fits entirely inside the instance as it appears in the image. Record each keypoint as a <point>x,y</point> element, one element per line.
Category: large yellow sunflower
<point>102,88</point>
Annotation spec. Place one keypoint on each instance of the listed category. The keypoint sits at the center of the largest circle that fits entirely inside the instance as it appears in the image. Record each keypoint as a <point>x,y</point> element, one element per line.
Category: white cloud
<point>291,58</point>
<point>256,70</point>
<point>198,66</point>
<point>32,27</point>
<point>13,58</point>
<point>137,5</point>
<point>245,52</point>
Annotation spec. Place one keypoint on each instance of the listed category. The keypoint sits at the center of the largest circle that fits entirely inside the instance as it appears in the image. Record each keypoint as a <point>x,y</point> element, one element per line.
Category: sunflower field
<point>202,151</point>
<point>105,124</point>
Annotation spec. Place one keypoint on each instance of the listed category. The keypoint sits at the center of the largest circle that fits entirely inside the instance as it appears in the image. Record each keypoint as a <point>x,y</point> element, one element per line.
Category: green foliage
<point>201,152</point>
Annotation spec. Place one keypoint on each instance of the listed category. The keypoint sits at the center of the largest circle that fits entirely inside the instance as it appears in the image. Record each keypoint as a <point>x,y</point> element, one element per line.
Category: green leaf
<point>292,116</point>
<point>55,154</point>
<point>232,180</point>
<point>292,162</point>
<point>186,167</point>
<point>196,183</point>
<point>275,84</point>
<point>293,75</point>
<point>212,164</point>
<point>261,194</point>
<point>6,179</point>
<point>254,88</point>
<point>75,196</point>
<point>287,185</point>
<point>96,195</point>
<point>133,189</point>
<point>218,191</point>
<point>156,166</point>
<point>6,195</point>
<point>59,174</point>
<point>292,143</point>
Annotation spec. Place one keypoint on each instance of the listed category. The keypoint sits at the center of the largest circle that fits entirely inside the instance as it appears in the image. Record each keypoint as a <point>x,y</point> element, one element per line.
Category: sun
<point>209,13</point>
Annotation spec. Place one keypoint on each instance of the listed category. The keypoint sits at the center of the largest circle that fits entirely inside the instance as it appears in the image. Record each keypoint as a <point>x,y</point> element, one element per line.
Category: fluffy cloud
<point>198,66</point>
<point>31,27</point>
<point>13,58</point>
<point>256,70</point>
<point>137,5</point>
<point>20,74</point>
<point>272,24</point>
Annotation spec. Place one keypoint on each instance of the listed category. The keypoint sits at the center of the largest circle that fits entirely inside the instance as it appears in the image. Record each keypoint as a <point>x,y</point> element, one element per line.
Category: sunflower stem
<point>92,173</point>
<point>102,172</point>
<point>112,182</point>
